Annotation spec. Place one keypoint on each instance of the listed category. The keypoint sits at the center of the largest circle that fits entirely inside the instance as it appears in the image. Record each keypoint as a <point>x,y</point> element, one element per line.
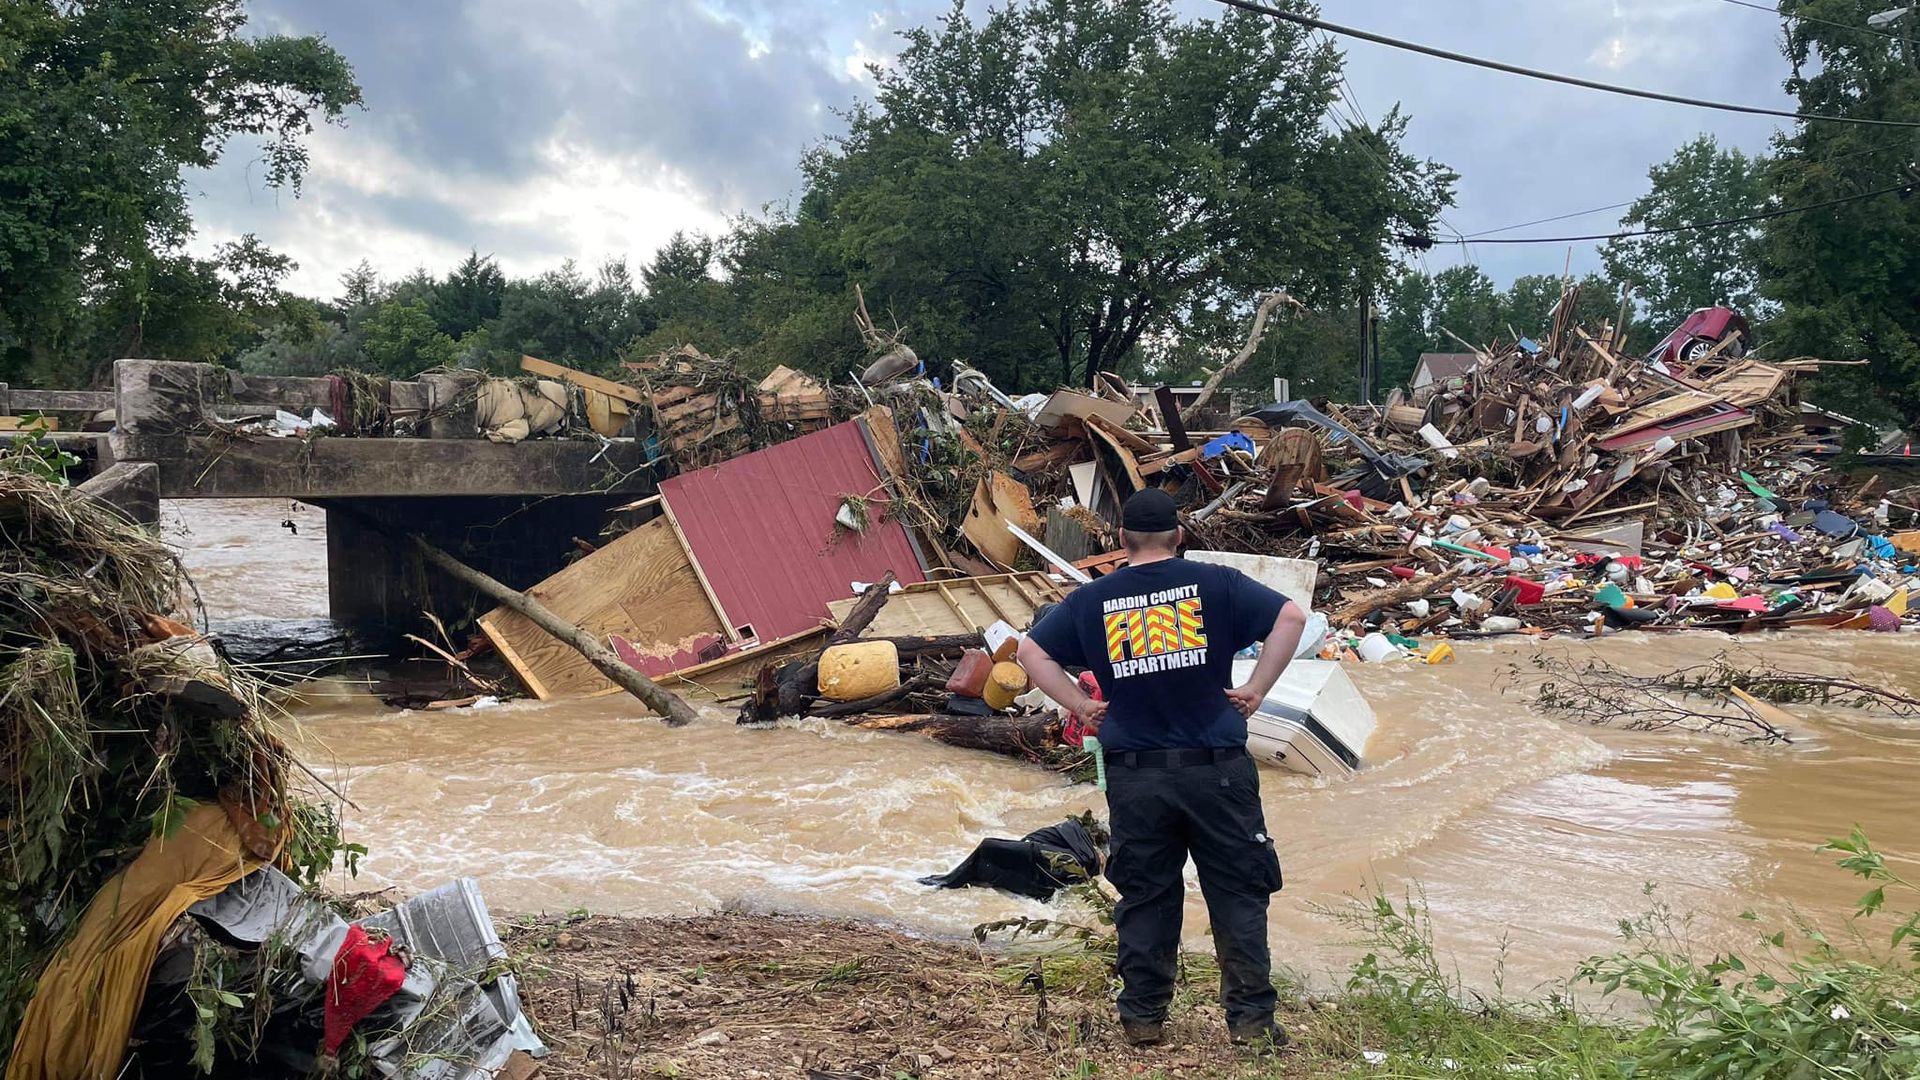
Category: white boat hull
<point>1313,722</point>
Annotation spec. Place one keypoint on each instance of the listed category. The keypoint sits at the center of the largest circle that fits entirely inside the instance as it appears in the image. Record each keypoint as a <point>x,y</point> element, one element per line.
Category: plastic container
<point>1375,647</point>
<point>1002,641</point>
<point>1440,654</point>
<point>1005,682</point>
<point>970,675</point>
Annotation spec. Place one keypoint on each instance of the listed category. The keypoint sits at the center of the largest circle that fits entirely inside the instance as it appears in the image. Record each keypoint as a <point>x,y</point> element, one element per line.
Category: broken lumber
<point>669,705</point>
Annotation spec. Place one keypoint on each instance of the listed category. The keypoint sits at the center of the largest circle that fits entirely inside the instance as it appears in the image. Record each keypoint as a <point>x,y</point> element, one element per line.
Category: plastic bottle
<point>1092,746</point>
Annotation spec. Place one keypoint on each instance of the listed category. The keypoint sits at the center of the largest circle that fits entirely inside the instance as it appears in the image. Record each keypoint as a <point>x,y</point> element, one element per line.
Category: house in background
<point>1439,367</point>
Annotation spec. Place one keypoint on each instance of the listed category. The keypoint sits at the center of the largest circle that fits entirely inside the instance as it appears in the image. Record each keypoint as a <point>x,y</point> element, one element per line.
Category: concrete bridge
<point>511,510</point>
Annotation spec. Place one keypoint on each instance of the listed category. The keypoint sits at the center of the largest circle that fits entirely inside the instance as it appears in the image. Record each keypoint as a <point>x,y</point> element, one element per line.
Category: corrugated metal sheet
<point>761,528</point>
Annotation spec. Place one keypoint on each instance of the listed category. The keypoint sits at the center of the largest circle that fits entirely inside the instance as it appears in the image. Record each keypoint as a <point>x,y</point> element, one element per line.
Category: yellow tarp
<point>77,1023</point>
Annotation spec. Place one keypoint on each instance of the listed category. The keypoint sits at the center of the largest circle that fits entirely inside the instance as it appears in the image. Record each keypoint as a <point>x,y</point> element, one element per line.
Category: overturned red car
<point>1700,332</point>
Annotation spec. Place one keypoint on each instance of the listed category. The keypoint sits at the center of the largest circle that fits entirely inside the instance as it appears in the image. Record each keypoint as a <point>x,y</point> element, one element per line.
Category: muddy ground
<point>764,996</point>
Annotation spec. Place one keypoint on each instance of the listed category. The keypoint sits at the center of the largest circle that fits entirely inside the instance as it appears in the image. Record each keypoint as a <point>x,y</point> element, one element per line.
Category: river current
<point>1530,837</point>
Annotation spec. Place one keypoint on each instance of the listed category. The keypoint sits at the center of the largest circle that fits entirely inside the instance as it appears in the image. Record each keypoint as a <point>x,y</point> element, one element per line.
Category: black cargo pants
<point>1166,805</point>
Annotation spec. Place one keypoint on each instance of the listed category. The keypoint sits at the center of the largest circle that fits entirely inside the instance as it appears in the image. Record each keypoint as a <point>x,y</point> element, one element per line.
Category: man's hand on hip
<point>1090,715</point>
<point>1246,700</point>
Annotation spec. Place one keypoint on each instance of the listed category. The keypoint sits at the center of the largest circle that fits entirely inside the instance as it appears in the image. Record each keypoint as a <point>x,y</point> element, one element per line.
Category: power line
<point>1622,205</point>
<point>1771,10</point>
<point>1556,217</point>
<point>1903,187</point>
<point>1548,76</point>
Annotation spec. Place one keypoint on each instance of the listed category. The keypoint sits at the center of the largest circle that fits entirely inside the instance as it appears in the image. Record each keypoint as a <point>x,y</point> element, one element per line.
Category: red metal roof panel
<point>761,527</point>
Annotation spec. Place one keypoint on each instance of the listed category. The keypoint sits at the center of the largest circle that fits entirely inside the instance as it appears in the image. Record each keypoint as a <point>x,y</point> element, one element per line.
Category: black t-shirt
<point>1160,639</point>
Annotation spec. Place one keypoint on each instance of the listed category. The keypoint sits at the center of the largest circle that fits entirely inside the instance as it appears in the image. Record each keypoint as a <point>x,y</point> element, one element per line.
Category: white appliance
<point>1314,721</point>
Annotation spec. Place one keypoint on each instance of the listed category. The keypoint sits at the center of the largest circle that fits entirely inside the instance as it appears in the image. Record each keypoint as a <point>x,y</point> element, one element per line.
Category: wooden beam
<point>536,366</point>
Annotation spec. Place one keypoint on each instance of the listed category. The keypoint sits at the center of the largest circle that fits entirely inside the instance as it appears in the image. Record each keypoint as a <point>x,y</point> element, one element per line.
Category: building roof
<point>761,527</point>
<point>1447,365</point>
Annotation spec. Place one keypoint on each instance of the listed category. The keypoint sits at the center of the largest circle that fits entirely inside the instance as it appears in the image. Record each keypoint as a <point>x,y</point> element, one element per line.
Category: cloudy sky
<point>538,130</point>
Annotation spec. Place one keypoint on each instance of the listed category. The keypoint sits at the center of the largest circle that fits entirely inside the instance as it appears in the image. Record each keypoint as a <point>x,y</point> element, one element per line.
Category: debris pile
<point>160,855</point>
<point>1560,486</point>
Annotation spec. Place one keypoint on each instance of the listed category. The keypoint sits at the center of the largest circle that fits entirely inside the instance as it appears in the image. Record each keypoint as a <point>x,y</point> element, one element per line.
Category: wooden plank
<point>960,606</point>
<point>640,586</point>
<point>958,611</point>
<point>1170,416</point>
<point>18,401</point>
<point>731,632</point>
<point>536,366</point>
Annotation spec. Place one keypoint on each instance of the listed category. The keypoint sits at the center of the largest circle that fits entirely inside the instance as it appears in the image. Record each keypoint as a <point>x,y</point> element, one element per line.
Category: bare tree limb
<point>1261,314</point>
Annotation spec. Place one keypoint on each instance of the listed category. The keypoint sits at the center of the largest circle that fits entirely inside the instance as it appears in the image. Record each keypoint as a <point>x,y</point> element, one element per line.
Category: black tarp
<point>1036,866</point>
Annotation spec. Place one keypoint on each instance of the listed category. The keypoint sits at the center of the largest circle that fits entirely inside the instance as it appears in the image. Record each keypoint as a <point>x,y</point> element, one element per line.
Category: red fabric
<point>365,974</point>
<point>1530,592</point>
<point>1755,604</point>
<point>1073,732</point>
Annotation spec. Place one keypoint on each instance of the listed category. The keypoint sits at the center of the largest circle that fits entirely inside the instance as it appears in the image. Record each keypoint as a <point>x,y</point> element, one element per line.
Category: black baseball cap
<point>1150,511</point>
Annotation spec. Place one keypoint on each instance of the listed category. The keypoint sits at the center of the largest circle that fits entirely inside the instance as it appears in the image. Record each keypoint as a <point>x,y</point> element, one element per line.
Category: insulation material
<point>859,670</point>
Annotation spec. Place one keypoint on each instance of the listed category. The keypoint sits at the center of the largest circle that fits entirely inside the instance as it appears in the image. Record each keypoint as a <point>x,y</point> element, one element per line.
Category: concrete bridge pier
<point>383,588</point>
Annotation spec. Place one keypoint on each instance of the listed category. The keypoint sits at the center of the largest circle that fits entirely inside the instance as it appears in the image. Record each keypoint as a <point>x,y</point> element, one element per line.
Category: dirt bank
<point>745,996</point>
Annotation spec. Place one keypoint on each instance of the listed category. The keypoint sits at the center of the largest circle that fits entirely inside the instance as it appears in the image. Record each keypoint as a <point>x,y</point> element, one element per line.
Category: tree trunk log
<point>1414,589</point>
<point>862,614</point>
<point>849,708</point>
<point>1014,736</point>
<point>931,646</point>
<point>672,709</point>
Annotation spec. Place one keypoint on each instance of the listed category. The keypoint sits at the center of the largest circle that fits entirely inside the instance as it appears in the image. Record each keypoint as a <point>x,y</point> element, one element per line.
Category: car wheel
<point>1696,349</point>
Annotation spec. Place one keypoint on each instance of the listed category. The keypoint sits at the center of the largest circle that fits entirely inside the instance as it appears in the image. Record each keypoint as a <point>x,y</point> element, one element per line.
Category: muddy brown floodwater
<point>1529,836</point>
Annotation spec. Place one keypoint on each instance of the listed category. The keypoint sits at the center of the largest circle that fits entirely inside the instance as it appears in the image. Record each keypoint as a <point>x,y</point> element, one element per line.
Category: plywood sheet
<point>960,606</point>
<point>999,499</point>
<point>640,586</point>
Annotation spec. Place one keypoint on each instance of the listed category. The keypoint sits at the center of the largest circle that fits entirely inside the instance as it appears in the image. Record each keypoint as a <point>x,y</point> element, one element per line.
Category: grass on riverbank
<point>763,996</point>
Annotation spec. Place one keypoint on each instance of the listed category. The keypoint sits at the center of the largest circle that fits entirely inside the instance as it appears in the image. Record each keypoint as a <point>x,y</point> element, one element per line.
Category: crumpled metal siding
<point>761,526</point>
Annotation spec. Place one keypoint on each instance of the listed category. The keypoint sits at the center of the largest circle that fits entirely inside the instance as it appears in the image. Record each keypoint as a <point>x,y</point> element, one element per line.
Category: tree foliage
<point>1066,186</point>
<point>1679,272</point>
<point>1846,277</point>
<point>103,103</point>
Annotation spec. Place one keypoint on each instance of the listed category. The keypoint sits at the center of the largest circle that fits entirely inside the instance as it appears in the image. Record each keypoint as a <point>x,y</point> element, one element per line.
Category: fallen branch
<point>862,613</point>
<point>1260,316</point>
<point>1380,599</point>
<point>1600,694</point>
<point>1015,736</point>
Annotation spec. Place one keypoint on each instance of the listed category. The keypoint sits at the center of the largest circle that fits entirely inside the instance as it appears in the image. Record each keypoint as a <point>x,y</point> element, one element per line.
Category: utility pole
<point>1369,347</point>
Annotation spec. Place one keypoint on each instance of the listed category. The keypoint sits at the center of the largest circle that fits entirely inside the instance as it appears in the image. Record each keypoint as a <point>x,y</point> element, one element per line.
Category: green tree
<point>401,339</point>
<point>1846,276</point>
<point>469,297</point>
<point>1678,272</point>
<point>1072,185</point>
<point>102,105</point>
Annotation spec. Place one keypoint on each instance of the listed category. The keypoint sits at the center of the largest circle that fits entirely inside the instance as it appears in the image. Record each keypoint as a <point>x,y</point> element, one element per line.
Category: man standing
<point>1160,636</point>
